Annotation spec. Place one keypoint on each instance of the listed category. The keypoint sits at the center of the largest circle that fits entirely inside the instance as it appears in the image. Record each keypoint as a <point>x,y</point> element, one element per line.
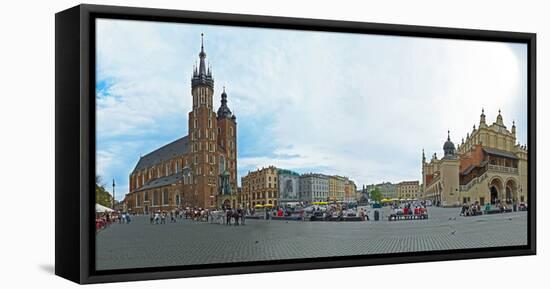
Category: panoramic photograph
<point>222,144</point>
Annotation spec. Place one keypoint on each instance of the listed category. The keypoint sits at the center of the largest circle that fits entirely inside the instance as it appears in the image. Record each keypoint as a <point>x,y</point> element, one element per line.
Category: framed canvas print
<point>195,144</point>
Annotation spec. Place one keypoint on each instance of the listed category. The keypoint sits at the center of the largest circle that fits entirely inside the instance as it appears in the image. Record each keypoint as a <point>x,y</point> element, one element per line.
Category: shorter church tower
<point>449,168</point>
<point>227,142</point>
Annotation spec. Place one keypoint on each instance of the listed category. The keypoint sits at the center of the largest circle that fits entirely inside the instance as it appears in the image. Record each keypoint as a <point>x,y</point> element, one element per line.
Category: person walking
<point>163,218</point>
<point>228,215</point>
<point>243,216</point>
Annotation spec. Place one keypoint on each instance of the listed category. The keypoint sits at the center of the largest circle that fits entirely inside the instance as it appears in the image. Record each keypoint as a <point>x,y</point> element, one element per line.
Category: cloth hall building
<point>196,170</point>
<point>488,166</point>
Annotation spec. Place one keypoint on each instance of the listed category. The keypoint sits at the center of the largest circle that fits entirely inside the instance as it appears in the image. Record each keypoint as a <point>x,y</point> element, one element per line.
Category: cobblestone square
<point>140,244</point>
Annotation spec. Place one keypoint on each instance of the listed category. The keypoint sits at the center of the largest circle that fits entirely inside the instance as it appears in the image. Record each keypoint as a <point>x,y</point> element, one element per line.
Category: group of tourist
<point>123,218</point>
<point>160,217</point>
<point>225,215</point>
<point>408,209</point>
<point>476,208</point>
<point>102,221</point>
<point>470,210</point>
<point>105,219</point>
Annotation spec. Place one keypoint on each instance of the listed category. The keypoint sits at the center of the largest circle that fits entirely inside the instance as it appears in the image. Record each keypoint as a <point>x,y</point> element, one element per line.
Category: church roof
<point>166,152</point>
<point>500,153</point>
<point>161,182</point>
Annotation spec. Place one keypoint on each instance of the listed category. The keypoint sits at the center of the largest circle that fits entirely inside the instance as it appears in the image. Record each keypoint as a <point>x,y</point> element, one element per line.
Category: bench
<point>408,217</point>
<point>287,218</point>
<point>497,211</point>
<point>476,213</point>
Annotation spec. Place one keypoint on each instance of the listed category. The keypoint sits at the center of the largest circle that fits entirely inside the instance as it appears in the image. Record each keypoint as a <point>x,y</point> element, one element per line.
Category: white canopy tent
<point>102,209</point>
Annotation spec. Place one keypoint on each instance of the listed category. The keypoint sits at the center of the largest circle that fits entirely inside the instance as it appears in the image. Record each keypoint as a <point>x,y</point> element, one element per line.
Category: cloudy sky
<point>362,106</point>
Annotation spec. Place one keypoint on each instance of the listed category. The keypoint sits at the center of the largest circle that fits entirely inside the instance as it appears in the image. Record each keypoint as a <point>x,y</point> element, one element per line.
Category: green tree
<point>376,195</point>
<point>102,197</point>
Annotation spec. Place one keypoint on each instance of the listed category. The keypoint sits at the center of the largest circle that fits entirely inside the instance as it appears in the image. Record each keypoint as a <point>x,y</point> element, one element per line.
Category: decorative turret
<point>224,111</point>
<point>449,147</point>
<point>482,118</point>
<point>499,119</point>
<point>202,76</point>
<point>514,128</point>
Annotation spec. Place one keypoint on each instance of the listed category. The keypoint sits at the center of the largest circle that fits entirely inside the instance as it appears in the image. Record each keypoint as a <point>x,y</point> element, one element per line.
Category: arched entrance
<point>495,190</point>
<point>226,203</point>
<point>511,191</point>
<point>494,195</point>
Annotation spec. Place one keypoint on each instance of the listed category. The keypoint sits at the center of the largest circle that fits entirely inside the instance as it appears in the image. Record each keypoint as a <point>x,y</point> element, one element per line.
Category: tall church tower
<point>227,141</point>
<point>202,137</point>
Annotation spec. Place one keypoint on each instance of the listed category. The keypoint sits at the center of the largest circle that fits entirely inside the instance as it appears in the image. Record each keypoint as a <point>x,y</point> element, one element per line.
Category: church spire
<point>202,55</point>
<point>201,76</point>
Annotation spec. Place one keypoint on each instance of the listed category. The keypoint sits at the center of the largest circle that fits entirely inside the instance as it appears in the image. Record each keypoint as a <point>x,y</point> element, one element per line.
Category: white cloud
<point>356,105</point>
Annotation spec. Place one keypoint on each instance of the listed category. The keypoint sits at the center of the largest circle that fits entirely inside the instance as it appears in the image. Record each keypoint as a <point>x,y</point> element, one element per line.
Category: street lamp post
<point>114,199</point>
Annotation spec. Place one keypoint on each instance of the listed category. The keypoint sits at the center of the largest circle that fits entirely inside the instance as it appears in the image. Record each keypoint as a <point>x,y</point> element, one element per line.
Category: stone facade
<point>260,187</point>
<point>350,191</point>
<point>337,188</point>
<point>189,171</point>
<point>407,189</point>
<point>314,187</point>
<point>489,167</point>
<point>386,188</point>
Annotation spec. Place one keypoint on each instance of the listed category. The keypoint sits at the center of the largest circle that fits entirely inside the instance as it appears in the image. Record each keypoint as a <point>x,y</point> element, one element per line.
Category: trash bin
<point>376,215</point>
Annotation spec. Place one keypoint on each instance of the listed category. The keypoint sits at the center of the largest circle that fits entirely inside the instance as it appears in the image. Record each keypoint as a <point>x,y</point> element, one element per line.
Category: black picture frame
<point>75,141</point>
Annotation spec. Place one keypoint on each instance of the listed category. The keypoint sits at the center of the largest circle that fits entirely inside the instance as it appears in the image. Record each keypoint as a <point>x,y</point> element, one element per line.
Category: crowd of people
<point>105,219</point>
<point>227,216</point>
<point>476,208</point>
<point>408,209</point>
<point>473,209</point>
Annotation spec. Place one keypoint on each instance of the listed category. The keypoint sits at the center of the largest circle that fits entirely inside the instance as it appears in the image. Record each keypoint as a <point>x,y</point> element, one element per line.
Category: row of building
<point>279,186</point>
<point>401,190</point>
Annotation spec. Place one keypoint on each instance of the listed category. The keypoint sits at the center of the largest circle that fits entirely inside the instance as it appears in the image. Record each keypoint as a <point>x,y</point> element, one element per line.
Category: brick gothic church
<point>197,170</point>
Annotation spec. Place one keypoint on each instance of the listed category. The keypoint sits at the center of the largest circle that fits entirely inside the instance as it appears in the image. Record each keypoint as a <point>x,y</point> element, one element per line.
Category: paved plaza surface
<point>140,244</point>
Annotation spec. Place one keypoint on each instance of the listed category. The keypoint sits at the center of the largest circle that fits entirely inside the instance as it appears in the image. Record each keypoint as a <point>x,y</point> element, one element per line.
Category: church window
<point>195,123</point>
<point>199,131</point>
<point>209,123</point>
<point>165,198</point>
